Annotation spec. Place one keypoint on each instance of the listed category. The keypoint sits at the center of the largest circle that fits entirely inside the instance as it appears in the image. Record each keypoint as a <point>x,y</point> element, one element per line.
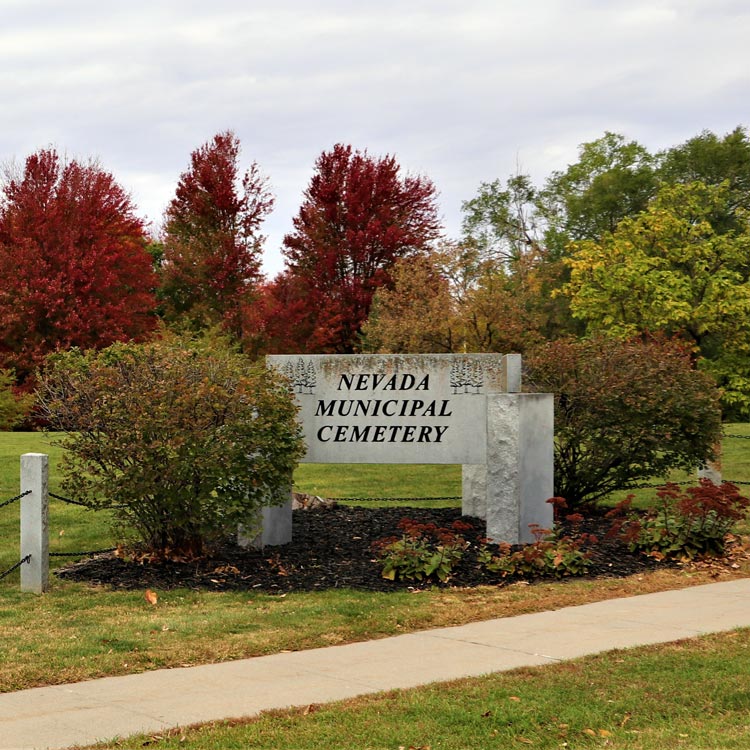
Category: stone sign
<point>413,409</point>
<point>433,408</point>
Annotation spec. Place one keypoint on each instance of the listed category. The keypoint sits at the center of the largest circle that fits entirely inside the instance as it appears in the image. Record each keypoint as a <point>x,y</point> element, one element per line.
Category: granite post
<point>34,522</point>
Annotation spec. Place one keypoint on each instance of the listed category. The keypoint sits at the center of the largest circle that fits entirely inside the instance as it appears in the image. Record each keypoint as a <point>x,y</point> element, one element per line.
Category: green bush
<point>625,411</point>
<point>683,523</point>
<point>182,439</point>
<point>14,407</point>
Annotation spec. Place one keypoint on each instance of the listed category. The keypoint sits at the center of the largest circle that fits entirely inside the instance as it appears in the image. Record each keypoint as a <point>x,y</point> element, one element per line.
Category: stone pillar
<point>712,469</point>
<point>273,527</point>
<point>34,522</point>
<point>520,454</point>
<point>474,490</point>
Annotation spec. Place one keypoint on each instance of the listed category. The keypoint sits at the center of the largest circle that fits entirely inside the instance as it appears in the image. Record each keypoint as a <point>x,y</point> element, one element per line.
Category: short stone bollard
<point>34,522</point>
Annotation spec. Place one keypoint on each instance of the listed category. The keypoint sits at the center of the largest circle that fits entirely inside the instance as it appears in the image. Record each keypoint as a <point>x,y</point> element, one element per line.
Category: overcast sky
<point>463,91</point>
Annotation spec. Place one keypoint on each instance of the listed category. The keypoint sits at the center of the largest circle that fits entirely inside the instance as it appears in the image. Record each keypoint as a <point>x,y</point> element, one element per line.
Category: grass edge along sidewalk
<point>470,650</point>
<point>686,694</point>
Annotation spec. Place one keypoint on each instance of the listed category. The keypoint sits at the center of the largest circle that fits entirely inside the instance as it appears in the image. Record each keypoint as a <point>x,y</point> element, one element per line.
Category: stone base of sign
<point>275,524</point>
<point>474,490</point>
<point>512,490</point>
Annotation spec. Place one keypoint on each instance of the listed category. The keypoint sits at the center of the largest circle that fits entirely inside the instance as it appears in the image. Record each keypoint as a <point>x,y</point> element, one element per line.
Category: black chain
<point>83,505</point>
<point>738,437</point>
<point>662,484</point>
<point>681,484</point>
<point>391,499</point>
<point>15,567</point>
<point>13,499</point>
<point>88,553</point>
<point>68,500</point>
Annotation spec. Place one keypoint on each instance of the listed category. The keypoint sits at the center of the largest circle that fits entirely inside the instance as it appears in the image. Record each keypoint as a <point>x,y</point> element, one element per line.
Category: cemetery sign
<point>434,408</point>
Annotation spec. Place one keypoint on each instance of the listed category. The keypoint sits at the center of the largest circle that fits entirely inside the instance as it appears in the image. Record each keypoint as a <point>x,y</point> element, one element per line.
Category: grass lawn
<point>689,694</point>
<point>77,632</point>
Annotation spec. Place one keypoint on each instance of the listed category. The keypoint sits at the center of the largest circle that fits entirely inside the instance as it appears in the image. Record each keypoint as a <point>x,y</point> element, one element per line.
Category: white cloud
<point>464,92</point>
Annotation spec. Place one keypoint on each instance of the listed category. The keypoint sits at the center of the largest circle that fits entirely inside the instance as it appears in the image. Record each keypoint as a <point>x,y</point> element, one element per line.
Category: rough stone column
<point>520,434</point>
<point>34,522</point>
<point>474,490</point>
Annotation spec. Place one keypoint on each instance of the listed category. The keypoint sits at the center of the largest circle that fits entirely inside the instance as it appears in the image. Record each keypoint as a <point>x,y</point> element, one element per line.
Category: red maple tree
<point>211,239</point>
<point>358,217</point>
<point>74,270</point>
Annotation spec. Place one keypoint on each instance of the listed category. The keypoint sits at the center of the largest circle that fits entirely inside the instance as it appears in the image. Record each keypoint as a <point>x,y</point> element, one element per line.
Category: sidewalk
<point>86,712</point>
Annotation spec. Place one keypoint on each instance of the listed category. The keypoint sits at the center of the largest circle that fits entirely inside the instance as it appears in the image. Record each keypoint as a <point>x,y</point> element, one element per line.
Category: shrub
<point>182,439</point>
<point>683,523</point>
<point>548,555</point>
<point>624,411</point>
<point>423,551</point>
<point>14,407</point>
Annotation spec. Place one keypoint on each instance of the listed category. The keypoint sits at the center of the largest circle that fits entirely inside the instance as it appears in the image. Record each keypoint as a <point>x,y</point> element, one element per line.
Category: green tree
<point>668,270</point>
<point>624,411</point>
<point>713,160</point>
<point>502,222</point>
<point>612,179</point>
<point>182,440</point>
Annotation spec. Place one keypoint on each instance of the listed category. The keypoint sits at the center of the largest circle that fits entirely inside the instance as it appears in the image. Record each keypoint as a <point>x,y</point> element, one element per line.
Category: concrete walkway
<point>86,712</point>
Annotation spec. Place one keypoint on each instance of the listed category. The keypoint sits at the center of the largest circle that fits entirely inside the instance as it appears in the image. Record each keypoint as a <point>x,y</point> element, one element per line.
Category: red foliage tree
<point>358,217</point>
<point>211,237</point>
<point>73,263</point>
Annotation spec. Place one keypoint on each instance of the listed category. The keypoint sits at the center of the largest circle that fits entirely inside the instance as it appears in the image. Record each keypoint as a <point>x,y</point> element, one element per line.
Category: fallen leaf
<point>514,698</point>
<point>604,733</point>
<point>525,740</point>
<point>589,732</point>
<point>151,597</point>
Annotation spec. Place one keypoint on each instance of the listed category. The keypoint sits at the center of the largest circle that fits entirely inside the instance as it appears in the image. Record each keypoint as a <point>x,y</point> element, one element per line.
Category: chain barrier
<point>738,437</point>
<point>21,562</point>
<point>14,499</point>
<point>656,486</point>
<point>393,499</point>
<point>79,503</point>
<point>682,484</point>
<point>88,553</point>
<point>68,500</point>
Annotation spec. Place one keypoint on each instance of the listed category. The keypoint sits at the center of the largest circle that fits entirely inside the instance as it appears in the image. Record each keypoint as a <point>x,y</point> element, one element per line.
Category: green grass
<point>735,461</point>
<point>376,481</point>
<point>691,694</point>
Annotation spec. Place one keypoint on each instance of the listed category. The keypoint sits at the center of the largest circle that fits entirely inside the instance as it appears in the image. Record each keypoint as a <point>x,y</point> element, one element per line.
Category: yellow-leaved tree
<point>670,270</point>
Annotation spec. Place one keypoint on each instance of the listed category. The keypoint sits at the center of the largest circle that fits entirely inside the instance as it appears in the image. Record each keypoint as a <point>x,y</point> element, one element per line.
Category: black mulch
<point>331,548</point>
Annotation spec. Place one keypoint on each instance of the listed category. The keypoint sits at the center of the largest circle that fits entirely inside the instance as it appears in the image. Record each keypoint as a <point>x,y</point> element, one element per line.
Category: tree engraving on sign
<point>301,376</point>
<point>466,377</point>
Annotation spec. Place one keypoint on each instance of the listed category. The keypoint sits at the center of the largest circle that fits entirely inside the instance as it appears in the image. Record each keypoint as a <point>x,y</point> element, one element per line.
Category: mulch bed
<point>331,548</point>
